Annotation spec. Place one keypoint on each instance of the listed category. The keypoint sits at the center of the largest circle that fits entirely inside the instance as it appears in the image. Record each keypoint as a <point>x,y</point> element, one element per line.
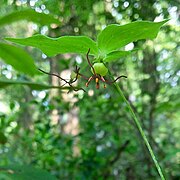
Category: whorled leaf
<point>18,58</point>
<point>116,55</point>
<point>64,44</point>
<point>116,36</point>
<point>109,40</point>
<point>29,15</point>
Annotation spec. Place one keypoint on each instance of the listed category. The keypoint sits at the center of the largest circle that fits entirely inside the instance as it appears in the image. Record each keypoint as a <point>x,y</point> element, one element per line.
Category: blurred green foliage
<point>86,135</point>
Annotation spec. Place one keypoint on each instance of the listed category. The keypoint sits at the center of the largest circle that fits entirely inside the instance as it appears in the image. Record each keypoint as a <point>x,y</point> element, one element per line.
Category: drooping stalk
<point>137,122</point>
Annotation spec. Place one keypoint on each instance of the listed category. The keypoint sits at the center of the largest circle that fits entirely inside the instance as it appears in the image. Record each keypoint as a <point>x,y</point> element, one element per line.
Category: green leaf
<point>29,15</point>
<point>17,172</point>
<point>18,58</point>
<point>64,44</point>
<point>115,36</point>
<point>35,86</point>
<point>3,138</point>
<point>116,55</point>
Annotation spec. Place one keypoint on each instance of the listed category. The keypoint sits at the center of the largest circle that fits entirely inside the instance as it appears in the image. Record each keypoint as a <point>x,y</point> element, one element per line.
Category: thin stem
<point>89,62</point>
<point>137,122</point>
<point>62,79</point>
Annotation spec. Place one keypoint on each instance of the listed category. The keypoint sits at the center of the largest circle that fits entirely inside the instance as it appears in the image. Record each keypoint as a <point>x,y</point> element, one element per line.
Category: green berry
<point>100,69</point>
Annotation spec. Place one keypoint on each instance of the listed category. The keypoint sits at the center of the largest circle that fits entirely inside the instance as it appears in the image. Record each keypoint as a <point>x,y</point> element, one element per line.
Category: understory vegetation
<point>89,89</point>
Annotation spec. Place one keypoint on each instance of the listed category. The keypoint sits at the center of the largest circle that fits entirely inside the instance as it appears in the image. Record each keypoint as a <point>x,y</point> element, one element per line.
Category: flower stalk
<point>137,122</point>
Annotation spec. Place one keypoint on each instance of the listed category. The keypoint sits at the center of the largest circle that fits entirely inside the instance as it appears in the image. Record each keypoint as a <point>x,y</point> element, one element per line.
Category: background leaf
<point>17,172</point>
<point>3,138</point>
<point>18,58</point>
<point>35,86</point>
<point>64,44</point>
<point>115,36</point>
<point>29,15</point>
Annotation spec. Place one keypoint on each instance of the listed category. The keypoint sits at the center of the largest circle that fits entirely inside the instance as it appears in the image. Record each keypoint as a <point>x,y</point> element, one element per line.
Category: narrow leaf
<point>116,55</point>
<point>64,44</point>
<point>35,86</point>
<point>18,58</point>
<point>115,36</point>
<point>29,15</point>
<point>17,172</point>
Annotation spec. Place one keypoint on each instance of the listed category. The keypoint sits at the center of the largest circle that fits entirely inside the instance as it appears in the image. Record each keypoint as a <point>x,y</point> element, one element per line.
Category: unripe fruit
<point>100,69</point>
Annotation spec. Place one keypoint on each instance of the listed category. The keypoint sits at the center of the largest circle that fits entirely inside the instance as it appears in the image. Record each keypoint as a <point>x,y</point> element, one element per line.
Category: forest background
<point>89,135</point>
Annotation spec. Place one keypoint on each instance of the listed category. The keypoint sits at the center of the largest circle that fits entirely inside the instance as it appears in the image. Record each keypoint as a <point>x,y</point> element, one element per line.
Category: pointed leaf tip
<point>61,45</point>
<point>116,36</point>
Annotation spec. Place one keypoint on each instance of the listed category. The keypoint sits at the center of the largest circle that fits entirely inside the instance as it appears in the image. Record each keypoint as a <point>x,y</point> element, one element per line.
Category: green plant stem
<point>137,122</point>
